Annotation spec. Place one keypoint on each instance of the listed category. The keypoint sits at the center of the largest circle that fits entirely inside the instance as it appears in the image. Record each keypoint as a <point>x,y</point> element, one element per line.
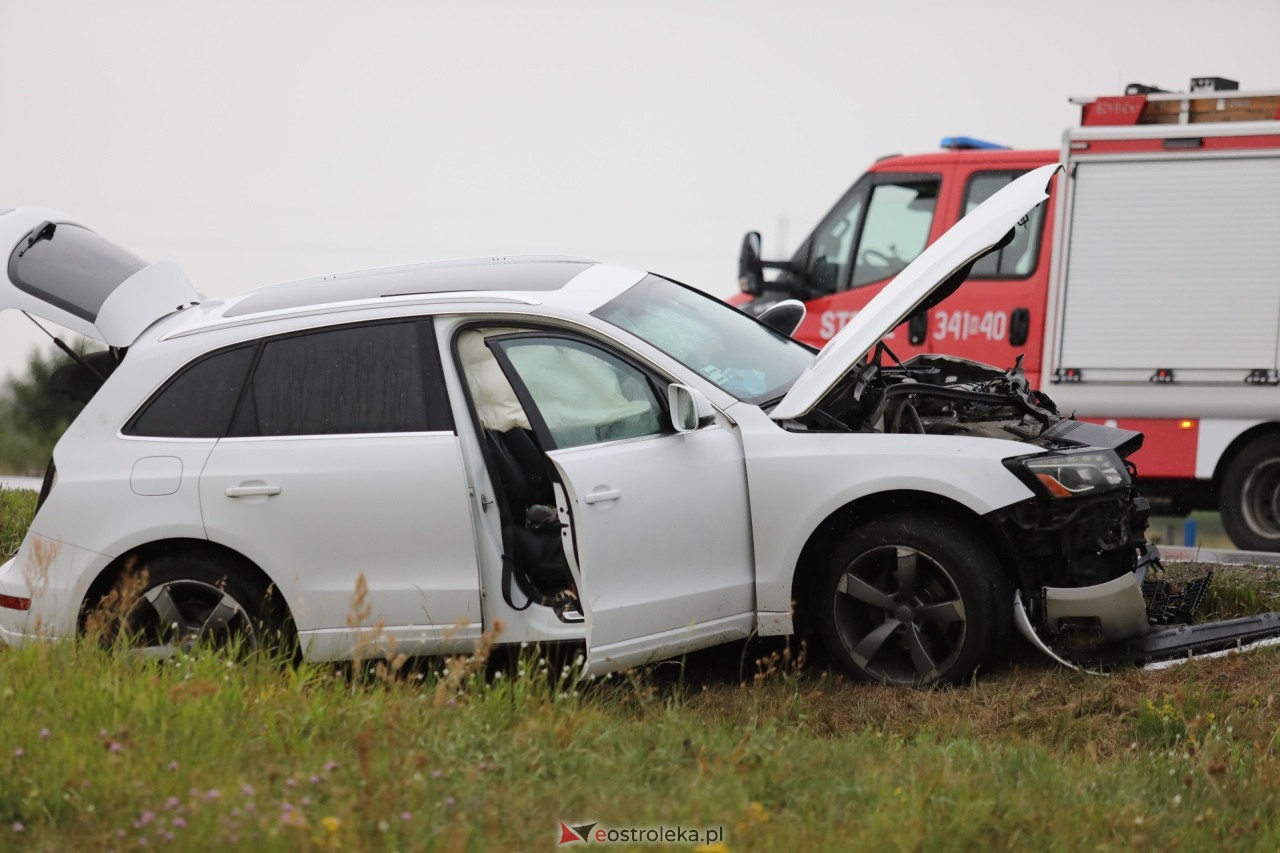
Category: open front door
<point>660,539</point>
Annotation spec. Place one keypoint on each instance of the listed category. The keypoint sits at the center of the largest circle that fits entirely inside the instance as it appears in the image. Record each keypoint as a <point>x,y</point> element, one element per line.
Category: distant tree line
<point>33,418</point>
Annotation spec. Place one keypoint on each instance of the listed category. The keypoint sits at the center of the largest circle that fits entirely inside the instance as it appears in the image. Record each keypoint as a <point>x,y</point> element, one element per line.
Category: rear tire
<point>1250,502</point>
<point>191,601</point>
<point>913,599</point>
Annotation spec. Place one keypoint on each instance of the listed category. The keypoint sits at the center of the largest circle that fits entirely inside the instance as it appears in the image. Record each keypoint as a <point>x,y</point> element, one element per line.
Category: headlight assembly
<point>1071,474</point>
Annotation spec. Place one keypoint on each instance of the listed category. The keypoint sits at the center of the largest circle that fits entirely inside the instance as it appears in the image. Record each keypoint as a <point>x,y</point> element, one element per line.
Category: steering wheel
<point>876,258</point>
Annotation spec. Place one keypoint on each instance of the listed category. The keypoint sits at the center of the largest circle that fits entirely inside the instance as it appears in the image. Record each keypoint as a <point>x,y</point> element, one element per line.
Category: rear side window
<point>1018,259</point>
<point>70,267</point>
<point>199,401</point>
<point>355,379</point>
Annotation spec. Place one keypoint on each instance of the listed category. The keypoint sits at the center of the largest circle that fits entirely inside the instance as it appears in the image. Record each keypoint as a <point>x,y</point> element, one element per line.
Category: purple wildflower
<point>44,734</point>
<point>331,766</point>
<point>18,827</point>
<point>406,816</point>
<point>247,790</point>
<point>19,752</point>
<point>115,746</point>
<point>450,802</point>
<point>436,774</point>
<point>179,823</point>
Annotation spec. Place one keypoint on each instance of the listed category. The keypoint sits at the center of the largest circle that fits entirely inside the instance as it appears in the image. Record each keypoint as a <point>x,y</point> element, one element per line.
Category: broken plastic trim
<point>1023,621</point>
<point>1221,653</point>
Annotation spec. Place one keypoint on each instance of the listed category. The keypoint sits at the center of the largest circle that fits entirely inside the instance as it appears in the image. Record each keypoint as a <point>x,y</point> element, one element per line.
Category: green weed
<point>101,750</point>
<point>17,507</point>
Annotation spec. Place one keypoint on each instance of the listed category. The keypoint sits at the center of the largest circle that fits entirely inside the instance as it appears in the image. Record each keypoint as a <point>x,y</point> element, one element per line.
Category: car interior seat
<point>525,476</point>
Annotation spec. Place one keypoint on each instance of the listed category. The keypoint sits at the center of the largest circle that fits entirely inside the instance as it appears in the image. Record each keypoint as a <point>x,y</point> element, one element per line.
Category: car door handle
<point>252,491</point>
<point>601,495</point>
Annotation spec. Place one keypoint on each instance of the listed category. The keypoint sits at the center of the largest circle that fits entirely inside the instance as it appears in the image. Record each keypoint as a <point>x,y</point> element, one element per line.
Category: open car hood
<point>61,271</point>
<point>927,280</point>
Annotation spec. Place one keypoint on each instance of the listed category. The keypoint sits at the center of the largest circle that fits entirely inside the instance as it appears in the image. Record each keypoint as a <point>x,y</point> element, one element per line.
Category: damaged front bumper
<point>1131,622</point>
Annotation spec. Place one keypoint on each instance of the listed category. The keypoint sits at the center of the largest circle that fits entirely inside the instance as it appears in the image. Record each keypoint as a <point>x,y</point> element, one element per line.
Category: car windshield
<point>744,357</point>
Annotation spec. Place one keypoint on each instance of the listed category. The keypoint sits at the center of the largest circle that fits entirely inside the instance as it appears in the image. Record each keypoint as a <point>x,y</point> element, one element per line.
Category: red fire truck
<point>1145,293</point>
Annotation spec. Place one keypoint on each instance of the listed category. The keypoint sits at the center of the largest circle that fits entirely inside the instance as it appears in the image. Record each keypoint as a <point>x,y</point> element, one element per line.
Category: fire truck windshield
<point>875,231</point>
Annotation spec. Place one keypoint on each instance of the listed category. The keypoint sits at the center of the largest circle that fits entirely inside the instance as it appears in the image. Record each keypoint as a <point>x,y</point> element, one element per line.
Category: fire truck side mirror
<point>750,268</point>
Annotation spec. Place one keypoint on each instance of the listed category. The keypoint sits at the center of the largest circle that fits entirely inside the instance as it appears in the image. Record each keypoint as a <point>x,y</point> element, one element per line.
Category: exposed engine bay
<point>939,395</point>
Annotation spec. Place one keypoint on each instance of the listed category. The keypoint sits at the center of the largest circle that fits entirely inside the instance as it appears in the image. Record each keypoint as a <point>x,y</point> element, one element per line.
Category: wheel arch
<point>141,554</point>
<point>1237,446</point>
<point>812,561</point>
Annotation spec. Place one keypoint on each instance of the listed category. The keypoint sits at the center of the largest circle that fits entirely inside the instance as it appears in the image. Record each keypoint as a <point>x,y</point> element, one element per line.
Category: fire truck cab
<point>1145,295</point>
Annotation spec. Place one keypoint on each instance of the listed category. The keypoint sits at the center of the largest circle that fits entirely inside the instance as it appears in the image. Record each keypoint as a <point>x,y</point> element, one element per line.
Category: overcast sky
<point>256,142</point>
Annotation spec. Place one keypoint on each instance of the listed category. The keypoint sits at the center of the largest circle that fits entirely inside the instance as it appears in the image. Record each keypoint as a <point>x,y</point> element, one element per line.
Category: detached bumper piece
<point>1186,641</point>
<point>1133,621</point>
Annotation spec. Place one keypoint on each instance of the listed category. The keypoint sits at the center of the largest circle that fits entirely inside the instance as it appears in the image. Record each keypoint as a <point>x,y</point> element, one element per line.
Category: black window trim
<point>1012,174</point>
<point>436,392</point>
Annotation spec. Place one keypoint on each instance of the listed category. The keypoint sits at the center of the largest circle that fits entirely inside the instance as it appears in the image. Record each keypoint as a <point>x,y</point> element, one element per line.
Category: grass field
<point>99,751</point>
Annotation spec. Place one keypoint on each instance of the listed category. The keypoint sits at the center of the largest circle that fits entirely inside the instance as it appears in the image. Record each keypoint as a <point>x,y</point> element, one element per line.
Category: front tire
<point>913,599</point>
<point>1250,503</point>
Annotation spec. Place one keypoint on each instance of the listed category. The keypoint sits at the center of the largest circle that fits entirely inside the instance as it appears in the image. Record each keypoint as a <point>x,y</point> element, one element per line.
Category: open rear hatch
<point>63,272</point>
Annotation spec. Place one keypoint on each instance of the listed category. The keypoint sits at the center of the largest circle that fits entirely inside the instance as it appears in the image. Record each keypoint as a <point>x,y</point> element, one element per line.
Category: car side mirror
<point>750,267</point>
<point>689,409</point>
<point>784,317</point>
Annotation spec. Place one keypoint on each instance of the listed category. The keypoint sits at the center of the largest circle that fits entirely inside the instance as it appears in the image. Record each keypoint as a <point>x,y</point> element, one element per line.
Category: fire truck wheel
<point>913,599</point>
<point>1250,502</point>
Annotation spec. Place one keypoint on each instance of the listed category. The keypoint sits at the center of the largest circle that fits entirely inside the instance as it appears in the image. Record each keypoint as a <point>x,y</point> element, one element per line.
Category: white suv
<point>577,451</point>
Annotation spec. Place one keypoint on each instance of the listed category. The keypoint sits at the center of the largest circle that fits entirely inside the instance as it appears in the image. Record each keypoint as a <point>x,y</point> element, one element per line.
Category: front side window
<point>896,229</point>
<point>833,244</point>
<point>355,379</point>
<point>1018,259</point>
<point>70,267</point>
<point>740,355</point>
<point>581,393</point>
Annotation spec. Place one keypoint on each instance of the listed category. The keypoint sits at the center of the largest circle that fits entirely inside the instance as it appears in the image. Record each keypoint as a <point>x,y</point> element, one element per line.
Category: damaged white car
<point>577,452</point>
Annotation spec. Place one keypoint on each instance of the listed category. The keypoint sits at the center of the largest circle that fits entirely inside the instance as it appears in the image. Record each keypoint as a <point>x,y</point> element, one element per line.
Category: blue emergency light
<point>969,143</point>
